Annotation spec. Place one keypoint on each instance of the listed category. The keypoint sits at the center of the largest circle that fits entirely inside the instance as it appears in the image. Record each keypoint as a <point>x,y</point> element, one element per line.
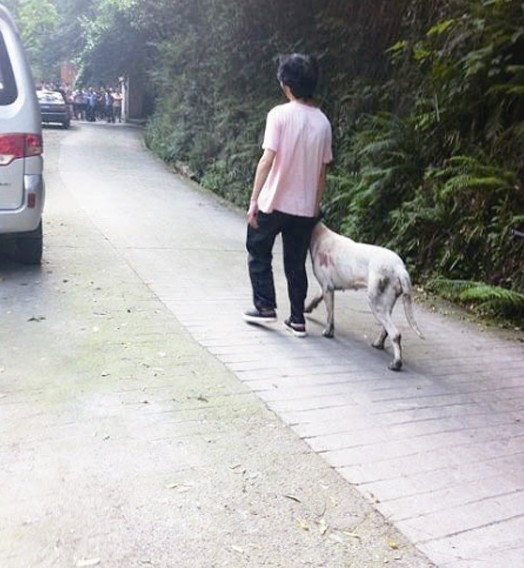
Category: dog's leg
<point>382,299</point>
<point>314,302</point>
<point>329,301</point>
<point>380,340</point>
<point>396,338</point>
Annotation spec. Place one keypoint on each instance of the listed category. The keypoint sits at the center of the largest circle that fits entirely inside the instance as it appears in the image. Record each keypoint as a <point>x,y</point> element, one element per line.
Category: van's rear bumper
<point>27,217</point>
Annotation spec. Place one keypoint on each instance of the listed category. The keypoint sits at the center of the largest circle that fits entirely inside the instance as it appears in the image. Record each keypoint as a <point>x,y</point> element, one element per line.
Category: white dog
<point>342,264</point>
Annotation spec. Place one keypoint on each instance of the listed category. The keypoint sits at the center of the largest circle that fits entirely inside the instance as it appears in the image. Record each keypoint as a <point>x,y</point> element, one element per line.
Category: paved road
<point>437,449</point>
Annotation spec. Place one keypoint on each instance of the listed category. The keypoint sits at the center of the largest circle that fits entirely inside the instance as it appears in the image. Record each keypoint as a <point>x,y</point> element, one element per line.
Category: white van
<point>22,191</point>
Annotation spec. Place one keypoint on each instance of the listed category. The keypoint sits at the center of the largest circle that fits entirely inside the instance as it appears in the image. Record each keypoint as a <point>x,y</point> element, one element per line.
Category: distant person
<point>108,105</point>
<point>86,102</point>
<point>68,97</point>
<point>289,183</point>
<point>78,104</point>
<point>91,106</point>
<point>117,105</point>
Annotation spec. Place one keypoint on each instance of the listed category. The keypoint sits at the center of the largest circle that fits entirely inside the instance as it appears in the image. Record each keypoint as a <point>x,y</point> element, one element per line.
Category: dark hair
<point>299,72</point>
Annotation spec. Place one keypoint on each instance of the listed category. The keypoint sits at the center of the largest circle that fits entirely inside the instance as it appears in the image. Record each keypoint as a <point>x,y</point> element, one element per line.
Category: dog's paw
<point>395,365</point>
<point>329,333</point>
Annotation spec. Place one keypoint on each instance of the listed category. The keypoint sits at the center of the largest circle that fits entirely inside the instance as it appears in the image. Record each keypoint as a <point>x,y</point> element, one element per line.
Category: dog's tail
<point>405,283</point>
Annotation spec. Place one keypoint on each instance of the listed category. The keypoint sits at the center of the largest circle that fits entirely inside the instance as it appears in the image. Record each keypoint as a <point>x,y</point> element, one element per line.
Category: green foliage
<point>460,220</point>
<point>52,31</point>
<point>38,22</point>
<point>383,154</point>
<point>484,299</point>
<point>112,45</point>
<point>209,95</point>
<point>442,183</point>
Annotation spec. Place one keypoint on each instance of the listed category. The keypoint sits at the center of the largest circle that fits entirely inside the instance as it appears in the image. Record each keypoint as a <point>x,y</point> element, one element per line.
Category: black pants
<point>296,235</point>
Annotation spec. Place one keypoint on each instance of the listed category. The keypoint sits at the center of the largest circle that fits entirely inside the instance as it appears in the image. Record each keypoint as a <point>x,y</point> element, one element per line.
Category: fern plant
<point>386,171</point>
<point>481,297</point>
<point>469,181</point>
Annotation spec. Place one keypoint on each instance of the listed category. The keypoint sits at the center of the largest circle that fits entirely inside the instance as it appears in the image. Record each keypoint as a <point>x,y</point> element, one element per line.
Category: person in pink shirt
<point>289,183</point>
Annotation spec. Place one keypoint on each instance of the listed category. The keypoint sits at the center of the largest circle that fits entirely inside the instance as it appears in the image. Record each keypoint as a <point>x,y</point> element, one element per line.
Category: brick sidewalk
<point>439,447</point>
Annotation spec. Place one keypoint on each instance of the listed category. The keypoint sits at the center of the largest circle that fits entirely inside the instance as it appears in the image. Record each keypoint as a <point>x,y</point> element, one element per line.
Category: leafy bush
<point>482,298</point>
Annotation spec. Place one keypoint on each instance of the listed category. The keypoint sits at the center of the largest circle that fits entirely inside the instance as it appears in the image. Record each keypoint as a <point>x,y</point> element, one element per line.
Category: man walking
<point>289,183</point>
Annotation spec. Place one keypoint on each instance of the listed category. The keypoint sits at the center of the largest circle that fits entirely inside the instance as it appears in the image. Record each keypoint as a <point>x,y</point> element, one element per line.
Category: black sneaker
<point>297,329</point>
<point>260,316</point>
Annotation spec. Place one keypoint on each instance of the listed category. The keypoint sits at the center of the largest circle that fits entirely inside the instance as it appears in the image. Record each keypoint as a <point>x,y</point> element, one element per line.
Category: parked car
<point>22,189</point>
<point>54,108</point>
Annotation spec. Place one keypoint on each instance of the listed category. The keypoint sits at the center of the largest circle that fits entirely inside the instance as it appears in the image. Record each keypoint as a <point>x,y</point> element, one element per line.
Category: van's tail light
<point>15,146</point>
<point>33,145</point>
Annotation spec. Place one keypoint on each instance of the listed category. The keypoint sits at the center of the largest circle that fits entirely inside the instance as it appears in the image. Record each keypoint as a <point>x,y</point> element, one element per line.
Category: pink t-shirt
<point>300,135</point>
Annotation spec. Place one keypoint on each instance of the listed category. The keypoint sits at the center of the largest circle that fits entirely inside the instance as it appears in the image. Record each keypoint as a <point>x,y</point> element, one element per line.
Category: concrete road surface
<point>144,424</point>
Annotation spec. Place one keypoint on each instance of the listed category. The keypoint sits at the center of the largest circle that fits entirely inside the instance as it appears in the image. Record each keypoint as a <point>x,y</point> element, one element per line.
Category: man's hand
<point>252,214</point>
<point>263,168</point>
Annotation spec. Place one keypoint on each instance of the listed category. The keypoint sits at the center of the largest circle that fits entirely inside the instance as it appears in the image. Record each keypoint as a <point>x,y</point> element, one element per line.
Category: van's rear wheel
<point>28,246</point>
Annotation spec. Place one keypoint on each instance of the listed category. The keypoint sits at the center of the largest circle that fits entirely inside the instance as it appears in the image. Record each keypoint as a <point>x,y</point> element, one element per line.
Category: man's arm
<point>321,187</point>
<point>262,171</point>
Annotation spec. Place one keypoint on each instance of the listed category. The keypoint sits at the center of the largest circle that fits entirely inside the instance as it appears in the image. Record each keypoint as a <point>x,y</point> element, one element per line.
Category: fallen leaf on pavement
<point>179,488</point>
<point>293,498</point>
<point>237,549</point>
<point>88,562</point>
<point>351,534</point>
<point>303,524</point>
<point>323,526</point>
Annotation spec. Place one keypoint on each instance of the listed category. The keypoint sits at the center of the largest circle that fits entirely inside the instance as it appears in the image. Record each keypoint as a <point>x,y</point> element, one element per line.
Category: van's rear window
<point>8,92</point>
